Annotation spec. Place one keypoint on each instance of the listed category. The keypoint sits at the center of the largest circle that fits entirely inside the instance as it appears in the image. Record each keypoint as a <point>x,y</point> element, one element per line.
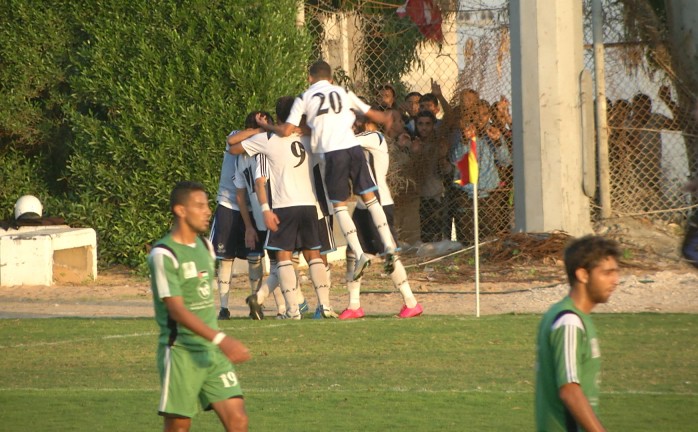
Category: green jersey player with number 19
<point>194,357</point>
<point>568,360</point>
<point>328,109</point>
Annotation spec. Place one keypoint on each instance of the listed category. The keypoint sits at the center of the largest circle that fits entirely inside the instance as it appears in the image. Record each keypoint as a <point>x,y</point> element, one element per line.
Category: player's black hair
<point>283,107</point>
<point>182,190</point>
<point>587,252</point>
<point>414,93</point>
<point>320,69</point>
<point>425,113</point>
<point>429,97</point>
<point>251,121</point>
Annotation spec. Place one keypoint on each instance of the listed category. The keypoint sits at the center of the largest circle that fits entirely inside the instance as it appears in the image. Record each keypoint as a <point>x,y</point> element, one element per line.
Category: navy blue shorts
<point>367,232</point>
<point>347,170</point>
<point>298,229</point>
<point>228,234</point>
<point>325,231</point>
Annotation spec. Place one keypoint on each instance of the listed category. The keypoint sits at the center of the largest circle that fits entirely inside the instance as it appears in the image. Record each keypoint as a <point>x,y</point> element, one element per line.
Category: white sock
<point>318,275</point>
<point>270,283</point>
<point>328,270</point>
<point>287,282</point>
<point>254,269</point>
<point>399,278</point>
<point>280,301</point>
<point>348,229</point>
<point>295,259</point>
<point>225,274</point>
<point>353,286</point>
<point>351,264</point>
<point>381,223</point>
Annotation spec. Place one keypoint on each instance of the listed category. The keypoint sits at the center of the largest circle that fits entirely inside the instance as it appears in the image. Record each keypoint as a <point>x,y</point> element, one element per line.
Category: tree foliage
<point>111,103</point>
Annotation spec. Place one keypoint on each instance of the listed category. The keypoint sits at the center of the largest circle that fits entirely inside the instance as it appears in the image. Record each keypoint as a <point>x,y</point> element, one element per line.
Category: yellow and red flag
<point>467,165</point>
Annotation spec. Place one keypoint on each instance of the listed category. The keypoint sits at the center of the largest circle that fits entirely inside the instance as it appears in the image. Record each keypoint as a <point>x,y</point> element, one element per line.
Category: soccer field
<point>435,373</point>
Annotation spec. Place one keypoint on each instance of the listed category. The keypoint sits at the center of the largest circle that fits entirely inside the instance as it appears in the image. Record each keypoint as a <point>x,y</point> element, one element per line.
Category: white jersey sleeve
<point>297,111</point>
<point>357,103</point>
<point>256,143</point>
<point>261,168</point>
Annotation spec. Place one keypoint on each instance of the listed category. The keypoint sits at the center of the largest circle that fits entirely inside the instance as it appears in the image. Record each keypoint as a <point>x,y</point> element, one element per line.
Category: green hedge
<point>111,103</point>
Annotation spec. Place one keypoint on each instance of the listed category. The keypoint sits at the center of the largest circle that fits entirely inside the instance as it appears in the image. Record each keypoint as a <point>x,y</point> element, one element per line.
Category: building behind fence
<point>372,48</point>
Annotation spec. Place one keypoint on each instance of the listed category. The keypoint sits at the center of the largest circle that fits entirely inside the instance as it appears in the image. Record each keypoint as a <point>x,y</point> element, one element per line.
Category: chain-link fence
<point>441,80</point>
<point>649,131</point>
<point>457,67</point>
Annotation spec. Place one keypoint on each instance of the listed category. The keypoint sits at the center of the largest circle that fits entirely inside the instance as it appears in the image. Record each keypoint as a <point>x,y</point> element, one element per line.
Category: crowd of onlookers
<point>430,135</point>
<point>635,144</point>
<point>428,138</point>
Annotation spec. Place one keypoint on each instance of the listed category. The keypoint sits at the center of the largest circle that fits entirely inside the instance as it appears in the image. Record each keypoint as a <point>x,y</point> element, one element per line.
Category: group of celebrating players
<point>281,185</point>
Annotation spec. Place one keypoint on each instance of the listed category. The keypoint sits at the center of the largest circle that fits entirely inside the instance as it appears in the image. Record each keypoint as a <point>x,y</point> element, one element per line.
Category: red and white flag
<point>426,15</point>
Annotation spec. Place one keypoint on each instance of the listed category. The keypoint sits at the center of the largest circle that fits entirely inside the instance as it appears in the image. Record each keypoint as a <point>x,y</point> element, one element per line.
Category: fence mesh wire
<point>650,134</point>
<point>391,62</point>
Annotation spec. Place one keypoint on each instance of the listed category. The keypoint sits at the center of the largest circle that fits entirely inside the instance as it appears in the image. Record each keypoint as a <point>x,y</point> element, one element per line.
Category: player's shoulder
<point>372,138</point>
<point>163,248</point>
<point>567,318</point>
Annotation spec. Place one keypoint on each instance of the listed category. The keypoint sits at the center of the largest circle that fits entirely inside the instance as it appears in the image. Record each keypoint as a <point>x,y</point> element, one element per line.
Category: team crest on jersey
<point>595,350</point>
<point>220,248</point>
<point>189,270</point>
<point>204,287</point>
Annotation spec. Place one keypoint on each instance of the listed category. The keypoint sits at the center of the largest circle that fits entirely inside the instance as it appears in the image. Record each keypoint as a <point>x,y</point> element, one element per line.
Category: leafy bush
<point>142,96</point>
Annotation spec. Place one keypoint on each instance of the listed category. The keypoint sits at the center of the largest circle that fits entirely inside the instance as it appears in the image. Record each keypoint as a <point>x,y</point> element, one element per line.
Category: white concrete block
<point>40,255</point>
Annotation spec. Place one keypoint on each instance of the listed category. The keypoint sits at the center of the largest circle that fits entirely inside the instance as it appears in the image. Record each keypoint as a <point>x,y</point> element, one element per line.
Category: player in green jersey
<point>194,357</point>
<point>568,357</point>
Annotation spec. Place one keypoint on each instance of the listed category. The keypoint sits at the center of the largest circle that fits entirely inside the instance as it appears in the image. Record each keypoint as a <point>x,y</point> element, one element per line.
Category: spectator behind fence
<point>386,102</point>
<point>501,119</point>
<point>436,103</point>
<point>409,111</point>
<point>492,153</point>
<point>434,166</point>
<point>645,135</point>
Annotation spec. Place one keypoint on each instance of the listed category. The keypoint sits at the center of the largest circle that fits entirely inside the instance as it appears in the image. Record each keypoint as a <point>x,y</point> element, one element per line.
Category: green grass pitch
<point>434,373</point>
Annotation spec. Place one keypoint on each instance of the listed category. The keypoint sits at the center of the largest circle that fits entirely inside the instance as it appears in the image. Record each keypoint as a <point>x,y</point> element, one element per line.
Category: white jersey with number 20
<point>328,110</point>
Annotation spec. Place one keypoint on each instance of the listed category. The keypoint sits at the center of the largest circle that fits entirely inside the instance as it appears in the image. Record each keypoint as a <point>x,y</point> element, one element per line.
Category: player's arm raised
<point>242,135</point>
<point>282,130</point>
<point>235,141</point>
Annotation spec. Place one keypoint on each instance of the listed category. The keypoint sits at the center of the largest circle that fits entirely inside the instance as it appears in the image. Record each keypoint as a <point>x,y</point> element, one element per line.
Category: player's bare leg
<point>232,414</point>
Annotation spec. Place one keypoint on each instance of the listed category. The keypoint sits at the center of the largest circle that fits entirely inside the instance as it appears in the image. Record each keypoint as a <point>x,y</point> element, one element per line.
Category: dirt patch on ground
<point>519,273</point>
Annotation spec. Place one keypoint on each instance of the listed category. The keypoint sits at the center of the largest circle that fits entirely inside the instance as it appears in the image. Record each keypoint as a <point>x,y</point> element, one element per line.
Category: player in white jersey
<point>228,229</point>
<point>376,151</point>
<point>255,231</point>
<point>328,109</point>
<point>292,223</point>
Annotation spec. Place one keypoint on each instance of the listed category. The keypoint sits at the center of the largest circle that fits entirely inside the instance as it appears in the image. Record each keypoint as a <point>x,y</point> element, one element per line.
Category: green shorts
<point>192,380</point>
